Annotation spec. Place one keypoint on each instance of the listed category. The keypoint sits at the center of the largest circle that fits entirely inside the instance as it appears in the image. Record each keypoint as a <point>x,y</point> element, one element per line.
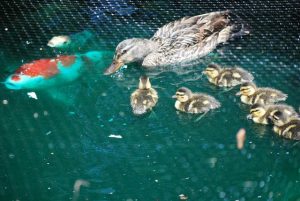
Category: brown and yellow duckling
<point>261,113</point>
<point>250,94</point>
<point>227,77</point>
<point>286,126</point>
<point>190,102</point>
<point>144,98</point>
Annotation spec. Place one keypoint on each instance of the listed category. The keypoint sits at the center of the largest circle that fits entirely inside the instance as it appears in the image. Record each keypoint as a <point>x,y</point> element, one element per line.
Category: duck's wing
<point>202,103</point>
<point>274,94</point>
<point>190,38</point>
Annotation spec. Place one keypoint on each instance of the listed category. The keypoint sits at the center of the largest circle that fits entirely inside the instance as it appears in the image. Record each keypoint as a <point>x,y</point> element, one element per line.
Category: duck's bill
<point>238,93</point>
<point>174,96</point>
<point>116,65</point>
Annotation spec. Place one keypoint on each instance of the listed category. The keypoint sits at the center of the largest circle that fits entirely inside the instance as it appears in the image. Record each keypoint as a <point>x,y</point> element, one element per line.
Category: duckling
<point>190,102</point>
<point>144,98</point>
<point>261,113</point>
<point>227,77</point>
<point>180,42</point>
<point>286,126</point>
<point>250,94</point>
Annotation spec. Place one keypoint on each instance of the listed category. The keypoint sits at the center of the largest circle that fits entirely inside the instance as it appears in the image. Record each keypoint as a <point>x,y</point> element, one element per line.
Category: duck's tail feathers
<point>239,26</point>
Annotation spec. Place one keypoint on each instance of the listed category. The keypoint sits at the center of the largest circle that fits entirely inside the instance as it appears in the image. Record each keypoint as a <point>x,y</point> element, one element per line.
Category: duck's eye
<point>123,51</point>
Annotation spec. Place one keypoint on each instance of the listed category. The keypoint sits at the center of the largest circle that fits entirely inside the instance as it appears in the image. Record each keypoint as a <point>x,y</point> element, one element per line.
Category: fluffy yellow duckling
<point>144,98</point>
<point>250,94</point>
<point>286,126</point>
<point>190,102</point>
<point>227,77</point>
<point>261,113</point>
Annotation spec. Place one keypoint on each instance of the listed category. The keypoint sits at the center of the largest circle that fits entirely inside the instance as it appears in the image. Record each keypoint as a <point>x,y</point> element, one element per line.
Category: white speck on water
<point>41,49</point>
<point>6,29</point>
<point>32,95</point>
<point>5,102</point>
<point>109,191</point>
<point>222,194</point>
<point>36,115</point>
<point>156,180</point>
<point>27,42</point>
<point>49,188</point>
<point>46,113</point>
<point>52,153</point>
<point>212,162</point>
<point>11,155</point>
<point>49,132</point>
<point>115,136</point>
<point>261,184</point>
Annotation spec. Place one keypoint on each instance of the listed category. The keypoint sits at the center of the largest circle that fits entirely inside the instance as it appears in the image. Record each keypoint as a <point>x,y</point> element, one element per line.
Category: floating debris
<point>115,136</point>
<point>183,197</point>
<point>32,95</point>
<point>76,189</point>
<point>240,138</point>
<point>5,102</point>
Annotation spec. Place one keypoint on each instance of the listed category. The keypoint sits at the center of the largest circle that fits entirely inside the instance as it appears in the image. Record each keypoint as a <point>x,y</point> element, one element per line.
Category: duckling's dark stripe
<point>244,88</point>
<point>210,69</point>
<point>254,110</point>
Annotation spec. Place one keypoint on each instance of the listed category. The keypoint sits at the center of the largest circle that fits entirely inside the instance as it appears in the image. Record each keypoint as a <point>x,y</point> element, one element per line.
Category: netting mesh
<point>159,162</point>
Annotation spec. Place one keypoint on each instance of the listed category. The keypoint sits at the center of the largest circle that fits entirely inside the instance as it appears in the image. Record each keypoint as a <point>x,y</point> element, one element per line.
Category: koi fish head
<point>59,42</point>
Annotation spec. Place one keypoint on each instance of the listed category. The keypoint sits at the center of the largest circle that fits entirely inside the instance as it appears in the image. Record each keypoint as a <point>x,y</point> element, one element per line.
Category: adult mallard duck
<point>227,77</point>
<point>179,42</point>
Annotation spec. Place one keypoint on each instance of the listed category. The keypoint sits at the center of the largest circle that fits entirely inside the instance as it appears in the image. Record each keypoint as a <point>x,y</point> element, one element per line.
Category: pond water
<point>48,144</point>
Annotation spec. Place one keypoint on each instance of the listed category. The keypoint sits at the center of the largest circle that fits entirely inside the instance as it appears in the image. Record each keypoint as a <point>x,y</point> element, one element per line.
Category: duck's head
<point>247,89</point>
<point>279,118</point>
<point>212,70</point>
<point>128,51</point>
<point>59,41</point>
<point>183,94</point>
<point>144,82</point>
<point>257,110</point>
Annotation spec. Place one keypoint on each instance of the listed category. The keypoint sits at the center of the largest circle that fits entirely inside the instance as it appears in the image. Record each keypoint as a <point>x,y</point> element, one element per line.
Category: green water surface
<point>49,143</point>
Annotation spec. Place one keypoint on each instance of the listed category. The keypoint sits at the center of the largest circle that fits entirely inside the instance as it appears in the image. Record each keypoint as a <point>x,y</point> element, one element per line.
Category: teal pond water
<point>48,144</point>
